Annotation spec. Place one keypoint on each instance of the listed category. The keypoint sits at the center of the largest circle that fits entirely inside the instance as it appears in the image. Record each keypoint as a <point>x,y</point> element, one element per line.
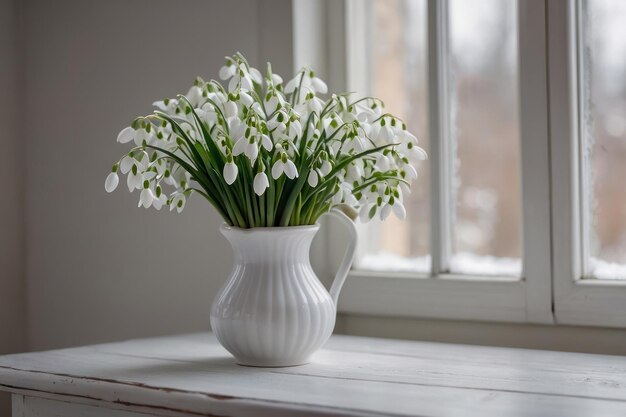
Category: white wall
<point>99,268</point>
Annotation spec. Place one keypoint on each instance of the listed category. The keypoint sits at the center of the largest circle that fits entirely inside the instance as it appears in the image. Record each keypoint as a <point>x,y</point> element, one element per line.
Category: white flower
<point>241,79</point>
<point>248,147</point>
<point>126,135</point>
<point>367,212</point>
<point>126,164</point>
<point>399,210</point>
<point>159,199</point>
<point>230,172</point>
<point>110,184</point>
<point>256,75</point>
<point>318,85</point>
<point>260,183</point>
<point>325,168</point>
<point>134,180</point>
<point>385,211</point>
<point>286,166</point>
<point>194,95</point>
<point>167,105</point>
<point>281,130</point>
<point>313,178</point>
<point>178,202</point>
<point>277,79</point>
<point>294,82</point>
<point>146,198</point>
<point>228,70</point>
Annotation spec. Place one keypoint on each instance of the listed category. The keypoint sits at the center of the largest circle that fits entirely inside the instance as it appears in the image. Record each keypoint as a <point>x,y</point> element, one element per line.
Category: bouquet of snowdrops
<point>264,153</point>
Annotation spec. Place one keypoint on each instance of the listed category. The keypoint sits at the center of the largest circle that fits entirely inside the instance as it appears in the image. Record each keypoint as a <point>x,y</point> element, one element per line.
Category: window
<point>399,77</point>
<point>485,203</point>
<point>520,214</point>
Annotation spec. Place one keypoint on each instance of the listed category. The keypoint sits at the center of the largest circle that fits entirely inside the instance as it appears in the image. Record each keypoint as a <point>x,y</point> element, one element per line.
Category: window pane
<point>603,43</point>
<point>486,229</point>
<point>399,78</point>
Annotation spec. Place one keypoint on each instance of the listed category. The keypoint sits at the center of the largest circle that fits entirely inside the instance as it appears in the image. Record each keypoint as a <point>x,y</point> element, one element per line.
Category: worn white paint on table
<point>192,375</point>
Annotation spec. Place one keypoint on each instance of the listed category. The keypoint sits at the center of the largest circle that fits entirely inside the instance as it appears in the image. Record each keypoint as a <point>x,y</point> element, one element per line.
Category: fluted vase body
<point>272,310</point>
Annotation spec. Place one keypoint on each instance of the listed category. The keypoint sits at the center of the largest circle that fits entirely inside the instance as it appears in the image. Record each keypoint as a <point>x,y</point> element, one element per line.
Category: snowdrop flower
<point>178,202</point>
<point>126,135</point>
<point>260,183</point>
<point>273,101</point>
<point>312,104</point>
<point>284,165</point>
<point>241,79</point>
<point>282,129</point>
<point>276,79</point>
<point>194,95</point>
<point>318,85</point>
<point>325,168</point>
<point>159,199</point>
<point>135,179</point>
<point>167,105</point>
<point>313,178</point>
<point>228,70</point>
<point>126,164</point>
<point>112,181</point>
<point>248,144</point>
<point>230,172</point>
<point>147,196</point>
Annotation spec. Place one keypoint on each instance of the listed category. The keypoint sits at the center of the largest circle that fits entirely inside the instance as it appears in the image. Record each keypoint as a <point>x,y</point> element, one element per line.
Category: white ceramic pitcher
<point>273,310</point>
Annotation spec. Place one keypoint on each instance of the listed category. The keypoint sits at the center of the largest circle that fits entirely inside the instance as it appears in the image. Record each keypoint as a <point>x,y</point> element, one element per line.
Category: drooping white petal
<point>278,169</point>
<point>260,183</point>
<point>227,71</point>
<point>319,85</point>
<point>110,184</point>
<point>313,178</point>
<point>292,84</point>
<point>399,210</point>
<point>246,83</point>
<point>146,198</point>
<point>178,202</point>
<point>252,151</point>
<point>384,213</point>
<point>325,168</point>
<point>367,213</point>
<point>266,142</point>
<point>290,169</point>
<point>230,109</point>
<point>411,172</point>
<point>126,164</point>
<point>134,181</point>
<point>126,135</point>
<point>193,95</point>
<point>256,75</point>
<point>159,202</point>
<point>140,136</point>
<point>240,146</point>
<point>277,79</point>
<point>246,99</point>
<point>387,133</point>
<point>230,172</point>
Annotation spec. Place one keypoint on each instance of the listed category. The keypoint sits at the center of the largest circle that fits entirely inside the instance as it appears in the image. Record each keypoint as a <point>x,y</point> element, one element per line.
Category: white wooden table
<point>192,375</point>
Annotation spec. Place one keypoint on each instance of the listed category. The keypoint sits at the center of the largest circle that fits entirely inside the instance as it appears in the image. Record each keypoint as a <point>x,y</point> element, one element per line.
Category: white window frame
<point>550,290</point>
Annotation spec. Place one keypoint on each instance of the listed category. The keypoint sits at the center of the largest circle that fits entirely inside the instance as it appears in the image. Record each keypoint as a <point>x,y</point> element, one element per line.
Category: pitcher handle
<point>348,257</point>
